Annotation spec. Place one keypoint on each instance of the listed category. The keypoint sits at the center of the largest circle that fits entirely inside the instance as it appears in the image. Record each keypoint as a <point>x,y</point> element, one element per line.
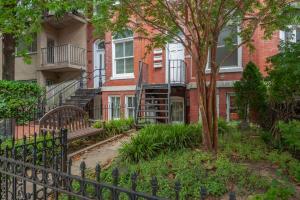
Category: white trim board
<point>118,88</point>
<point>220,84</point>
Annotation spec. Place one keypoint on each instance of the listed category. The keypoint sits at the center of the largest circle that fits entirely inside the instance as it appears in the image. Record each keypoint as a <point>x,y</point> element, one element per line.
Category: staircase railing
<point>60,92</point>
<point>142,79</point>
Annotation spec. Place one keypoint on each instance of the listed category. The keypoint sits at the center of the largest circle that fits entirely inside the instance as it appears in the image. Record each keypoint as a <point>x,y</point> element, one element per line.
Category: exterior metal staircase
<point>72,92</point>
<point>153,101</point>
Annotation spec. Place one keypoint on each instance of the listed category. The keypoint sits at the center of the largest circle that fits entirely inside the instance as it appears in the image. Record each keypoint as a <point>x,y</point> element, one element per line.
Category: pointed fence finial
<point>115,176</point>
<point>98,172</point>
<point>203,192</point>
<point>82,169</point>
<point>154,185</point>
<point>177,189</point>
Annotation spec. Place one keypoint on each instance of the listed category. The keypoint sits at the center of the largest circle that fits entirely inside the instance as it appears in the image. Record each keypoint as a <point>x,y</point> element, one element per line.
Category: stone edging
<point>81,151</point>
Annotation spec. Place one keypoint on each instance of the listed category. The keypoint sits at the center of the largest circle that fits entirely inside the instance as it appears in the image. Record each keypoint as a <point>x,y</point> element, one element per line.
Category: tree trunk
<point>8,66</point>
<point>207,101</point>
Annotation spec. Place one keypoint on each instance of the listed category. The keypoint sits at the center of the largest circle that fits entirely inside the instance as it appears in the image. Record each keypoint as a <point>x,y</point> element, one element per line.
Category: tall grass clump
<point>115,127</point>
<point>155,139</point>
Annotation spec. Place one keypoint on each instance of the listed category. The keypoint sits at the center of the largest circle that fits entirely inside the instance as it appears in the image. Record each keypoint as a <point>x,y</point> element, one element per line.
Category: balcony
<point>62,58</point>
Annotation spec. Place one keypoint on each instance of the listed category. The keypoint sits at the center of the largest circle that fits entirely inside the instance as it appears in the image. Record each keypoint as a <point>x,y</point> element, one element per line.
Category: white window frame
<point>282,34</point>
<point>110,108</point>
<point>234,68</point>
<point>124,75</point>
<point>127,107</point>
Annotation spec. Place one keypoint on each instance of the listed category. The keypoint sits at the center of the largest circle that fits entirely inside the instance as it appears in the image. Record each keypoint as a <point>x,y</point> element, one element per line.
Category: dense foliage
<point>232,168</point>
<point>290,133</point>
<point>115,127</point>
<point>17,98</point>
<point>155,139</point>
<point>251,93</point>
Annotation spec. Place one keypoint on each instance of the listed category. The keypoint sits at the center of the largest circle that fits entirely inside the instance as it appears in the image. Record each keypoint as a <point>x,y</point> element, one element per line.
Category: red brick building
<point>161,100</point>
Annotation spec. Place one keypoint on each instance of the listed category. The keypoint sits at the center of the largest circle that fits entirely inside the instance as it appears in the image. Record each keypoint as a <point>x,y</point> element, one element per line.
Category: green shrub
<point>287,164</point>
<point>223,126</point>
<point>16,97</point>
<point>155,139</point>
<point>98,124</point>
<point>275,192</point>
<point>193,169</point>
<point>290,133</point>
<point>115,127</point>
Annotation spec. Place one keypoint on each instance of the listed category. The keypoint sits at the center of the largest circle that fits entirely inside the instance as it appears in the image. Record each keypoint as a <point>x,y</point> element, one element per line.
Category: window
<point>292,35</point>
<point>224,51</point>
<point>114,107</point>
<point>130,103</point>
<point>123,55</point>
<point>231,110</point>
<point>31,48</point>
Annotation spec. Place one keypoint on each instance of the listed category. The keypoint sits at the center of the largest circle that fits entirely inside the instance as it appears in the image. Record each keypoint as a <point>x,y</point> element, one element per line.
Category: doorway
<point>174,62</point>
<point>50,50</point>
<point>99,64</point>
<point>177,110</point>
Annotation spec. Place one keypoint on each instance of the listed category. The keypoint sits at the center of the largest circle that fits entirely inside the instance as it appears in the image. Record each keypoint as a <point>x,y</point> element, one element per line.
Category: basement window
<point>114,107</point>
<point>130,102</point>
<point>123,60</point>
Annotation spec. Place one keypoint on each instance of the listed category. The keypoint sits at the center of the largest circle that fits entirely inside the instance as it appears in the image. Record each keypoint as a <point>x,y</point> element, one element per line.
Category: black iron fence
<point>32,177</point>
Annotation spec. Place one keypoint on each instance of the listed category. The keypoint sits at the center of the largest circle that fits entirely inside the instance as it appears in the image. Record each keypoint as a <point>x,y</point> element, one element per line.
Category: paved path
<point>103,155</point>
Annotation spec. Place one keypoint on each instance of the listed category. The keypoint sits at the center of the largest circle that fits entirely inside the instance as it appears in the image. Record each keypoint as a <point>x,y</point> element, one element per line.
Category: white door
<point>174,62</point>
<point>99,67</point>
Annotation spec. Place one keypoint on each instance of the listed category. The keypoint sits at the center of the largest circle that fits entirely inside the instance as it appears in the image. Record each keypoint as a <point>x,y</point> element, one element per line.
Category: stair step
<point>154,98</point>
<point>156,93</point>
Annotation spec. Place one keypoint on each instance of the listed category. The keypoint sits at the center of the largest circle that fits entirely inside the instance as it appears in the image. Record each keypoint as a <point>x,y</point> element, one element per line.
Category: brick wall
<point>264,49</point>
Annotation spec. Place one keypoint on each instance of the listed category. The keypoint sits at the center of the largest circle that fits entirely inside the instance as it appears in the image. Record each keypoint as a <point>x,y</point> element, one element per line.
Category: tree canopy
<point>197,25</point>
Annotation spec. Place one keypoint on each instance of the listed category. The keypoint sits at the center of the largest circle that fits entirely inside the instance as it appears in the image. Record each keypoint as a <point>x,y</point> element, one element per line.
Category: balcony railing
<point>176,72</point>
<point>67,54</point>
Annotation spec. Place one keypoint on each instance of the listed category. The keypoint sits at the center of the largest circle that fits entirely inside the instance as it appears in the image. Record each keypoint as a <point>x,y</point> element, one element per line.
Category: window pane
<point>227,32</point>
<point>119,49</point>
<point>125,34</point>
<point>129,65</point>
<point>223,52</point>
<point>115,107</point>
<point>120,66</point>
<point>129,48</point>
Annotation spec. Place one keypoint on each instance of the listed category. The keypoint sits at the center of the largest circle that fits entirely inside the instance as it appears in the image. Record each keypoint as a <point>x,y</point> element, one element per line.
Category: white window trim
<point>234,68</point>
<point>110,109</point>
<point>228,95</point>
<point>283,33</point>
<point>114,69</point>
<point>126,105</point>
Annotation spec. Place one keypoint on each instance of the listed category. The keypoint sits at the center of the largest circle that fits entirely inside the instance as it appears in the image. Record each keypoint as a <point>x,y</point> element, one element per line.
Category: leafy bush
<point>155,139</point>
<point>115,127</point>
<point>290,133</point>
<point>223,126</point>
<point>276,191</point>
<point>16,96</point>
<point>193,169</point>
<point>98,124</point>
<point>251,93</point>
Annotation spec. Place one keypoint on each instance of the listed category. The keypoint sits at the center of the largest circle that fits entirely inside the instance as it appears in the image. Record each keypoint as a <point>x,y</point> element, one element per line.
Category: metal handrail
<point>76,81</point>
<point>139,88</point>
